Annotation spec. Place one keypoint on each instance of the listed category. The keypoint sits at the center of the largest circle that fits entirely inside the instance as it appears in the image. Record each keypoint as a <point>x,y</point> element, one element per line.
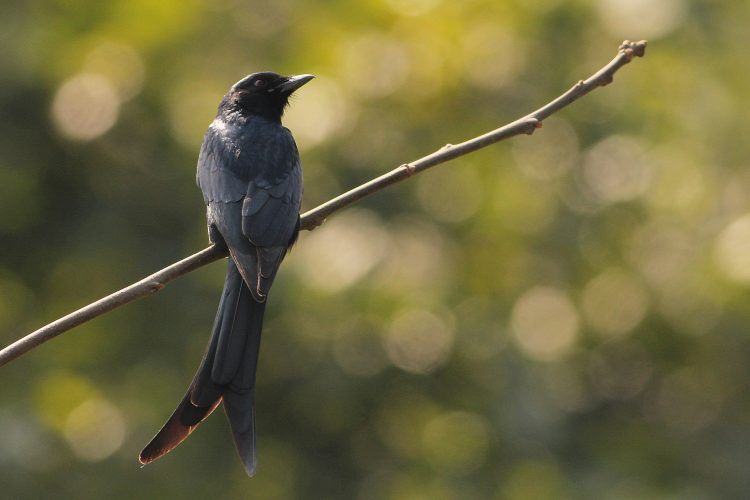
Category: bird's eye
<point>260,83</point>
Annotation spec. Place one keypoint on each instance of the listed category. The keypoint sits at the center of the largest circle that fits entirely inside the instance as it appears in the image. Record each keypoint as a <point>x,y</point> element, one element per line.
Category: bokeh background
<point>559,316</point>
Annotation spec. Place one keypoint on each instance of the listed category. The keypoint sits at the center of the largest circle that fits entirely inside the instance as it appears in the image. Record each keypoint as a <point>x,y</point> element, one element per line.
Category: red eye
<point>260,83</point>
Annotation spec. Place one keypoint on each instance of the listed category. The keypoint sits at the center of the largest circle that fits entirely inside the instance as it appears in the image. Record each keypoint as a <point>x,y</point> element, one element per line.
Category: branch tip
<point>640,48</point>
<point>630,49</point>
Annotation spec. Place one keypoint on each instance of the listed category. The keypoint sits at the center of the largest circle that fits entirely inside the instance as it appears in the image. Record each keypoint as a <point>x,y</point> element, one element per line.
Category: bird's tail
<point>227,372</point>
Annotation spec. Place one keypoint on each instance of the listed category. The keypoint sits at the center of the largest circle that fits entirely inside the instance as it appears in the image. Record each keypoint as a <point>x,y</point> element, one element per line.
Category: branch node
<point>409,168</point>
<point>532,125</point>
<point>529,125</point>
<point>310,222</point>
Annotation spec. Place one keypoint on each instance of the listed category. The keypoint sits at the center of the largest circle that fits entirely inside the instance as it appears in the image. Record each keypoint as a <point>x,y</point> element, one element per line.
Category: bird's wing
<point>270,209</point>
<point>221,175</point>
<point>272,200</point>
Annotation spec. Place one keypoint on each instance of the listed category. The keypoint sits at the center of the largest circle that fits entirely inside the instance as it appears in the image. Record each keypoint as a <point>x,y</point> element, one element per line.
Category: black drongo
<point>249,172</point>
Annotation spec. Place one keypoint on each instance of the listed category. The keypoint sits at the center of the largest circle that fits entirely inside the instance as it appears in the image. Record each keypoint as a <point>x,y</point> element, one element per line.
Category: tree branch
<point>317,216</point>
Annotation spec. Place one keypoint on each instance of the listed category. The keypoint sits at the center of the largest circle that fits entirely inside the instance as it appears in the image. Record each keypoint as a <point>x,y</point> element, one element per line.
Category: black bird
<point>250,174</point>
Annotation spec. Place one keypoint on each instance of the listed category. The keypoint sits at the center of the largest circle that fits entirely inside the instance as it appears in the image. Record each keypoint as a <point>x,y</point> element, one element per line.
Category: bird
<point>250,175</point>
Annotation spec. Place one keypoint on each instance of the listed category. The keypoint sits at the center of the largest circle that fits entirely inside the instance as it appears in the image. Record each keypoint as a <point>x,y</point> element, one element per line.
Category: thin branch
<point>147,286</point>
<point>525,125</point>
<point>315,217</point>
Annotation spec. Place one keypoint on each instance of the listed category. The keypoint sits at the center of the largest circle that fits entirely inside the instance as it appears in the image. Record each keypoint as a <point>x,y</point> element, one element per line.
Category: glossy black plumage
<point>250,175</point>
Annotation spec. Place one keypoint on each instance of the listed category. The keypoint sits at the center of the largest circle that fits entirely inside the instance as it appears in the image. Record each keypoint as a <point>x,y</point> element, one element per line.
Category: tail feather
<point>244,378</point>
<point>235,330</point>
<point>226,372</point>
<point>203,390</point>
<point>183,421</point>
<point>240,410</point>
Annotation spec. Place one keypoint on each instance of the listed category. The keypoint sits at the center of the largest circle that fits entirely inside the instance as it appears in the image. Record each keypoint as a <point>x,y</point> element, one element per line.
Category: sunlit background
<point>559,316</point>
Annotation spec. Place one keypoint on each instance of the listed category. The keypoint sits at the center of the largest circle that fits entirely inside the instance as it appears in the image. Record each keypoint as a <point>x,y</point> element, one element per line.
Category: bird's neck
<point>230,123</point>
<point>234,110</point>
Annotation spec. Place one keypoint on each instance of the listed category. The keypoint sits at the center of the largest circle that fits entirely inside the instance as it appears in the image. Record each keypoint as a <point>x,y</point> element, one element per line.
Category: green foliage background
<point>559,316</point>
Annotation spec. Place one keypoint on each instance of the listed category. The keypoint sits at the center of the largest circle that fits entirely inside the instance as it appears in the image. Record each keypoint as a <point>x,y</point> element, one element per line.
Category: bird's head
<point>264,94</point>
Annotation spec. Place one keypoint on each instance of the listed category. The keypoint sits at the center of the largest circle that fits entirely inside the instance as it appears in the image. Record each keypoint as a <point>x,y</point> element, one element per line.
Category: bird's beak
<point>293,83</point>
